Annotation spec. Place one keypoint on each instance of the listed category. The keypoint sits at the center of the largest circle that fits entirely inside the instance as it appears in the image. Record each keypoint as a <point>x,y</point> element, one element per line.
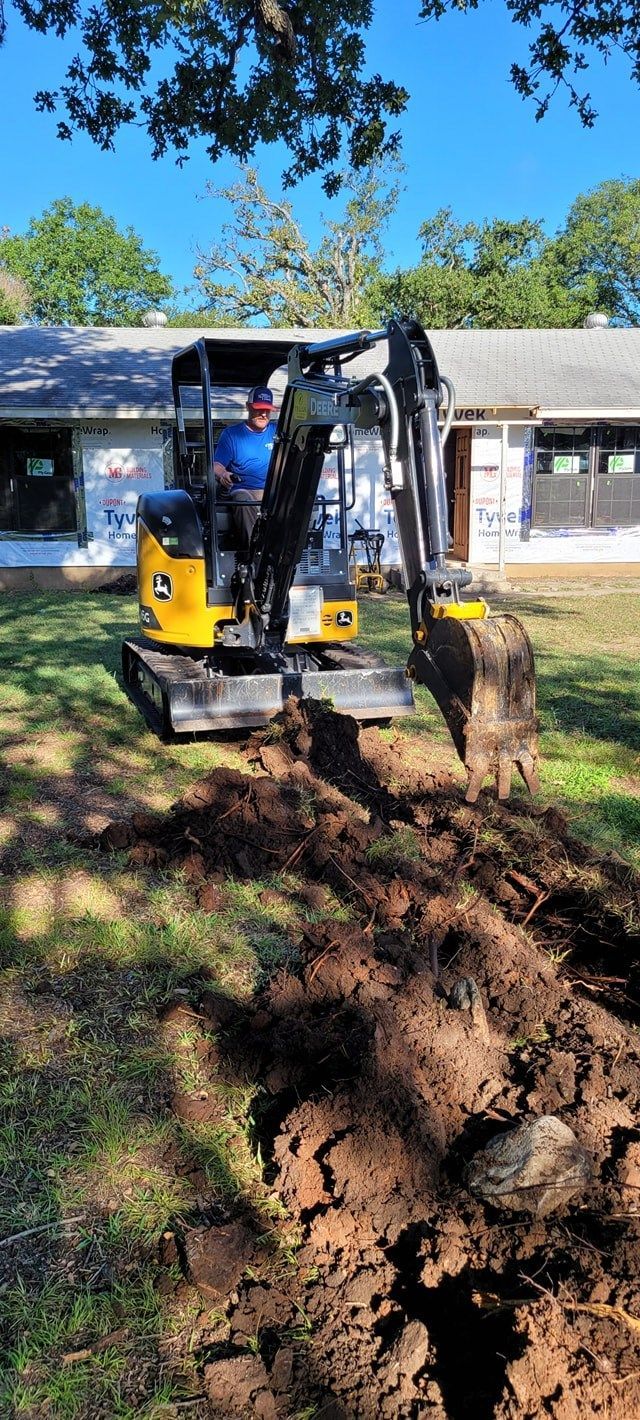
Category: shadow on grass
<point>72,743</point>
<point>587,694</point>
<point>97,1165</point>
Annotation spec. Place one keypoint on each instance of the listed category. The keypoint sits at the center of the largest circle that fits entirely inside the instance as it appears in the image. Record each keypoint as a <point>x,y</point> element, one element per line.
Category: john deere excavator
<point>229,633</point>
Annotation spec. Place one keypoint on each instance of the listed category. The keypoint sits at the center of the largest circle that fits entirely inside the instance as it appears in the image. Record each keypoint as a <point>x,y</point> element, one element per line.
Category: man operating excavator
<point>242,460</point>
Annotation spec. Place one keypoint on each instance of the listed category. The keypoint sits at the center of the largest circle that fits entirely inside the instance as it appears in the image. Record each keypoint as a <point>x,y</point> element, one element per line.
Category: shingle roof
<point>552,369</point>
<point>92,371</point>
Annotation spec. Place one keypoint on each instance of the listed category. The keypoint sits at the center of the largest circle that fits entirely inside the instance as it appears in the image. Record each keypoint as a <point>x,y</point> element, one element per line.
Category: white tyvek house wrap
<point>484,527</point>
<point>373,506</point>
<point>113,482</point>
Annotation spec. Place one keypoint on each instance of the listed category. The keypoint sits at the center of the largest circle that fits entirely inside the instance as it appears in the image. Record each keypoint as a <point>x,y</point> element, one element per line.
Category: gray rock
<point>536,1168</point>
<point>464,996</point>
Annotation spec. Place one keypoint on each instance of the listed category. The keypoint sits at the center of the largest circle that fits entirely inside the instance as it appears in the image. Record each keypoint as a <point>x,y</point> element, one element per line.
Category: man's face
<point>258,418</point>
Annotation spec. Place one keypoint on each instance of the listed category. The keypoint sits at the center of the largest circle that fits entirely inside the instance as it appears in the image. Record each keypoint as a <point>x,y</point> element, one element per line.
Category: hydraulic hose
<point>378,379</point>
<point>451,402</point>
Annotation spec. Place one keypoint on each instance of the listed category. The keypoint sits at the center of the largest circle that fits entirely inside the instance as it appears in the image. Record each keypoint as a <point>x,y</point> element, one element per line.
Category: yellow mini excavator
<point>230,632</point>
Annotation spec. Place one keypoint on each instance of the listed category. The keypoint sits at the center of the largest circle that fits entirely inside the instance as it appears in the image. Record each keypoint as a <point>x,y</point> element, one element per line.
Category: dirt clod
<point>240,1387</point>
<point>217,1257</point>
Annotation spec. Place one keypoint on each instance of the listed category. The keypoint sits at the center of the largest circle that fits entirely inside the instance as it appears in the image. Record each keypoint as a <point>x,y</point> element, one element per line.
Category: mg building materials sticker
<point>113,482</point>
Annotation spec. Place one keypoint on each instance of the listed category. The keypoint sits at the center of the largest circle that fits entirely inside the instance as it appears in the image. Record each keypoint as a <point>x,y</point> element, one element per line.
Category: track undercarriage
<point>190,694</point>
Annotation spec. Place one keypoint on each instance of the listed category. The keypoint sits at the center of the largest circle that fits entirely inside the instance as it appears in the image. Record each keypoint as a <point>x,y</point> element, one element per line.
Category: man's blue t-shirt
<point>245,453</point>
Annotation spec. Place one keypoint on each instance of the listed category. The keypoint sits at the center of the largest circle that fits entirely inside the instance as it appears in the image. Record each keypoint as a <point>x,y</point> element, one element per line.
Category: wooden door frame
<point>461,492</point>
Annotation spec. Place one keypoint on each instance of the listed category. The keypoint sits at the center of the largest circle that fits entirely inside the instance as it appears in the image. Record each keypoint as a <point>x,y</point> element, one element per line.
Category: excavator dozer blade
<point>481,673</point>
<point>177,696</point>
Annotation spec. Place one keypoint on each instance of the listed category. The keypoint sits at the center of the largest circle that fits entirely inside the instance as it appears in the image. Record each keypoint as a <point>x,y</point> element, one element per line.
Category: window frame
<point>22,516</point>
<point>596,446</point>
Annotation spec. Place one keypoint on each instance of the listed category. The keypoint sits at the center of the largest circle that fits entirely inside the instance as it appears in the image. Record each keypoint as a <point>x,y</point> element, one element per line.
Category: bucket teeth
<point>504,776</point>
<point>477,775</point>
<point>529,772</point>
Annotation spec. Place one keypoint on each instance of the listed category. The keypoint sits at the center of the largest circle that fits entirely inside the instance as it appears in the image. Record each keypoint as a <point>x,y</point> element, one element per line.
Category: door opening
<point>461,439</point>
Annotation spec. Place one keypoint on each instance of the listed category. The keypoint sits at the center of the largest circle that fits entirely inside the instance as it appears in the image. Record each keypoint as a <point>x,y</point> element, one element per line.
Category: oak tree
<point>264,268</point>
<point>498,275</point>
<point>15,298</point>
<point>80,269</point>
<point>597,253</point>
<point>236,72</point>
<point>241,72</point>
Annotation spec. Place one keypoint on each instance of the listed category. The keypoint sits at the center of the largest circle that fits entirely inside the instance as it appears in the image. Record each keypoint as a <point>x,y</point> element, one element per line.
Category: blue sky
<point>469,141</point>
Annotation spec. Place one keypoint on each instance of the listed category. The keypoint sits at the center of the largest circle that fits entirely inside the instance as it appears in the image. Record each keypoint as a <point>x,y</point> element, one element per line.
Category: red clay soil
<point>409,1296</point>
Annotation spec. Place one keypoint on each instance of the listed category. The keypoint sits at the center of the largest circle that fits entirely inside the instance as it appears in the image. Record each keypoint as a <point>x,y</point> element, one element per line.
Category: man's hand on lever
<point>223,476</point>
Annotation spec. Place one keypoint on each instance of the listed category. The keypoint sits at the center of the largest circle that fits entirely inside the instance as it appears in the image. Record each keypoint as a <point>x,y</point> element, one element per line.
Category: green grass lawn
<point>95,1165</point>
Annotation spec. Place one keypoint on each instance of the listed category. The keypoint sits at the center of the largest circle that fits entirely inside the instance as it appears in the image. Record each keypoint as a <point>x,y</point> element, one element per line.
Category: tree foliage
<point>509,274</point>
<point>15,298</point>
<point>273,273</point>
<point>565,35</point>
<point>240,72</point>
<point>188,318</point>
<point>597,255</point>
<point>237,72</point>
<point>496,275</point>
<point>81,270</point>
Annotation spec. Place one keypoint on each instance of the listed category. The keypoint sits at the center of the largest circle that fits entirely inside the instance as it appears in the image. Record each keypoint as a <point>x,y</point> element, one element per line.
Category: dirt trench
<point>407,1297</point>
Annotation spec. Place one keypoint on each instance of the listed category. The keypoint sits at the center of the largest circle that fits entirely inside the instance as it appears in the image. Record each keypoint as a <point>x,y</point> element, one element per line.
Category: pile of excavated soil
<point>409,1296</point>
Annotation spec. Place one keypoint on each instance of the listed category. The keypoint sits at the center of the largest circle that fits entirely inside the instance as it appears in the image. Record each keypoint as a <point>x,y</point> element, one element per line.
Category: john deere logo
<point>162,587</point>
<point>344,618</point>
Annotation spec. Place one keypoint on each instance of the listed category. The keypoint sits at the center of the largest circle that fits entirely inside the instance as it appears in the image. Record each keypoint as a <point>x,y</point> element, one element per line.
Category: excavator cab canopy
<point>237,362</point>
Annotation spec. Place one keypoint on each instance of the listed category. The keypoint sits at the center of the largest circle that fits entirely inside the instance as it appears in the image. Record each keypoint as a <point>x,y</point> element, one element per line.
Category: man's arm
<point>223,456</point>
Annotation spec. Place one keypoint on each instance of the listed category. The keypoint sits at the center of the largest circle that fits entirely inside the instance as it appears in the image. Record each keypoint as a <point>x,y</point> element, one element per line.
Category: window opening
<point>617,481</point>
<point>587,476</point>
<point>36,482</point>
<point>561,478</point>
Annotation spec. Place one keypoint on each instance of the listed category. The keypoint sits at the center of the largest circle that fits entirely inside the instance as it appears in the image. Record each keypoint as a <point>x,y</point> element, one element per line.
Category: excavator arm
<point>479,668</point>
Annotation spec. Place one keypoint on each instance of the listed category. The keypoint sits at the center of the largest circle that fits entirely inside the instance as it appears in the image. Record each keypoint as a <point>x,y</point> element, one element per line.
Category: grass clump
<point>391,850</point>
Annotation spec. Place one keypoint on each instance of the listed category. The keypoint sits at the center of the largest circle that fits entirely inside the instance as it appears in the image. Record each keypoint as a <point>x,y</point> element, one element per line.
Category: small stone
<point>464,995</point>
<point>536,1168</point>
<point>282,1369</point>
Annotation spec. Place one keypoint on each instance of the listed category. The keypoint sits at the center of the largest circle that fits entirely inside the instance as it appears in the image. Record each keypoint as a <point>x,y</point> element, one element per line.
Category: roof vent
<point>154,318</point>
<point>597,320</point>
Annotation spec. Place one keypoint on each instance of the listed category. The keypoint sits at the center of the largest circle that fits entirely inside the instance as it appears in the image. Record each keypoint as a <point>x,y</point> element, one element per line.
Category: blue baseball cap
<point>260,397</point>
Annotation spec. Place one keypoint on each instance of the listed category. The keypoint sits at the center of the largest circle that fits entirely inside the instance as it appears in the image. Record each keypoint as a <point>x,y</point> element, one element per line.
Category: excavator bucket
<point>481,674</point>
